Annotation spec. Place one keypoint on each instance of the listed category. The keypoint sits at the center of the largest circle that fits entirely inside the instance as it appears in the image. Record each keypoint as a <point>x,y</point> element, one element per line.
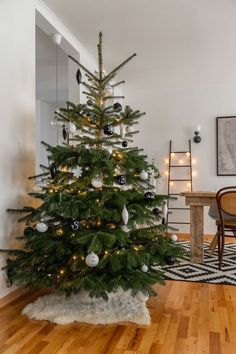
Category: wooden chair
<point>226,203</point>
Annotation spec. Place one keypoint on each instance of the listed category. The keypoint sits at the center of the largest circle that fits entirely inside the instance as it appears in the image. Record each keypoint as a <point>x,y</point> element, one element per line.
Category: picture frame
<point>226,145</point>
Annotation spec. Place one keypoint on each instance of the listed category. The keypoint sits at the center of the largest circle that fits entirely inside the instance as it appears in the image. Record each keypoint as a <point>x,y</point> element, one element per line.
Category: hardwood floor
<point>187,318</point>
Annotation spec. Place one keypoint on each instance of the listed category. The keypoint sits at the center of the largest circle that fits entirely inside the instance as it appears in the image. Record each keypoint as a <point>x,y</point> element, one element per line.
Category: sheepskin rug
<point>120,307</point>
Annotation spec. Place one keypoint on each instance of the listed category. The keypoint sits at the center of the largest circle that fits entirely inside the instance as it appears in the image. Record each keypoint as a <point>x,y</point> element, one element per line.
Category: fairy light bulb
<point>166,173</point>
<point>187,153</point>
<point>194,173</point>
<point>181,162</point>
<point>171,184</point>
<point>173,154</point>
<point>62,271</point>
<point>166,161</point>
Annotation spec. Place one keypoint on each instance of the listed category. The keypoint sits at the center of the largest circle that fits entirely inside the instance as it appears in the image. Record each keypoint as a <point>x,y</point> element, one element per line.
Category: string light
<point>166,161</point>
<point>194,173</point>
<point>187,153</point>
<point>173,154</point>
<point>62,271</point>
<point>181,162</point>
<point>193,161</point>
<point>171,184</point>
<point>166,173</point>
<point>74,257</point>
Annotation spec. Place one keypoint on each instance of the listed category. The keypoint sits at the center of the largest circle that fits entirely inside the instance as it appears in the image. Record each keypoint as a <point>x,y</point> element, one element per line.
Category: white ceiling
<point>178,42</point>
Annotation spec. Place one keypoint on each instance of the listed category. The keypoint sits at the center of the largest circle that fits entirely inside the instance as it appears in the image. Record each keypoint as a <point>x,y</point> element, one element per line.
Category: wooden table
<point>197,201</point>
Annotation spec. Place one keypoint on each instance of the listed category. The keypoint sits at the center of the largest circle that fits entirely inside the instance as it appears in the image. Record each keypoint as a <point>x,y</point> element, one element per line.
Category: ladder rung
<point>174,194</point>
<point>175,180</point>
<point>173,222</point>
<point>180,152</point>
<point>179,208</point>
<point>180,165</point>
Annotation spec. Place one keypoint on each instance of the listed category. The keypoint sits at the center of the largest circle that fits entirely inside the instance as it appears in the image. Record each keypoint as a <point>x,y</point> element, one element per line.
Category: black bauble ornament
<point>74,225</point>
<point>170,260</point>
<point>28,231</point>
<point>117,107</point>
<point>108,129</point>
<point>156,211</point>
<point>53,170</point>
<point>124,144</point>
<point>89,102</point>
<point>64,133</point>
<point>149,196</point>
<point>78,76</point>
<point>121,180</point>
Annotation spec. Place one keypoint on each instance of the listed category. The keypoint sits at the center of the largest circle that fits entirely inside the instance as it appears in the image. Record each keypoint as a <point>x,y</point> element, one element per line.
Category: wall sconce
<point>197,139</point>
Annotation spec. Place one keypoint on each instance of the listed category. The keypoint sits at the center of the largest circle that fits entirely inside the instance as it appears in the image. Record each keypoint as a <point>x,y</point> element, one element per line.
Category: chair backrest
<point>226,201</point>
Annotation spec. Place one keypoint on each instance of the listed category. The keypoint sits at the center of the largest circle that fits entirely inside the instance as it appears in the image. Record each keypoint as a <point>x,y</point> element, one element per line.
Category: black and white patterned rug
<point>207,272</point>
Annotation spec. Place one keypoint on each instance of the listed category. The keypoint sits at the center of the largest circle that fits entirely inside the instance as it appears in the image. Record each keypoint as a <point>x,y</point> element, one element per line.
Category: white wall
<point>17,101</point>
<point>173,113</point>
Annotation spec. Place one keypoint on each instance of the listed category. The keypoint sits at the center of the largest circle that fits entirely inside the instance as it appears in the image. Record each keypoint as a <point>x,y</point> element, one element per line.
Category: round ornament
<point>170,260</point>
<point>174,237</point>
<point>156,211</point>
<point>130,129</point>
<point>97,183</point>
<point>143,175</point>
<point>124,144</point>
<point>28,231</point>
<point>125,228</point>
<point>117,107</point>
<point>149,196</point>
<point>53,170</point>
<point>142,295</point>
<point>121,180</point>
<point>144,268</point>
<point>41,227</point>
<point>78,76</point>
<point>89,102</point>
<point>70,128</point>
<point>108,129</point>
<point>92,260</point>
<point>109,90</point>
<point>74,225</point>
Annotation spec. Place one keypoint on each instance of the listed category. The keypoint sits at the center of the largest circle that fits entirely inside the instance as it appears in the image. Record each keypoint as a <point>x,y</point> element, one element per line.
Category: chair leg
<point>222,249</point>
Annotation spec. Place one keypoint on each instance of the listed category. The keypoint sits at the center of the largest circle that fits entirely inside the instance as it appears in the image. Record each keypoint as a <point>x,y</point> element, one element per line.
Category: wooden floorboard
<point>187,318</point>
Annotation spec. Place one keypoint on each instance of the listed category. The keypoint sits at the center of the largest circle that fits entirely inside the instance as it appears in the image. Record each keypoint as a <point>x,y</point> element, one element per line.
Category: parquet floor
<point>187,318</point>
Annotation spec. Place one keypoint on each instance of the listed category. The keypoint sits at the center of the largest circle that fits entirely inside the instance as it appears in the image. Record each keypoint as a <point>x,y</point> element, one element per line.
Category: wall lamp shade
<point>197,139</point>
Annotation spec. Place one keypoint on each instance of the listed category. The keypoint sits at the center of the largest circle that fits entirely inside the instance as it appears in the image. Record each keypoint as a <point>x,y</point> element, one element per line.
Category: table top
<point>199,194</point>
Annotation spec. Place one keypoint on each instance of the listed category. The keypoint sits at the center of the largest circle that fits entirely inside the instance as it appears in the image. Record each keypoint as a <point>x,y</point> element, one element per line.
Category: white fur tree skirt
<point>120,307</point>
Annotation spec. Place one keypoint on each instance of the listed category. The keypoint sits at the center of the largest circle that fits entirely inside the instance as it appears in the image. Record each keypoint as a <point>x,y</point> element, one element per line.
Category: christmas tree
<point>99,226</point>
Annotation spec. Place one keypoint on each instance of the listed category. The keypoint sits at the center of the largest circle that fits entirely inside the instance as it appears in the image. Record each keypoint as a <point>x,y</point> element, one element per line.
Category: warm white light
<point>166,173</point>
<point>166,160</point>
<point>193,161</point>
<point>187,153</point>
<point>171,184</point>
<point>181,162</point>
<point>189,184</point>
<point>194,173</point>
<point>173,154</point>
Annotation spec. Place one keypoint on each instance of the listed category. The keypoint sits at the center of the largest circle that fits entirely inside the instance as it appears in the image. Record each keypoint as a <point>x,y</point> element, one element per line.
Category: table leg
<point>196,230</point>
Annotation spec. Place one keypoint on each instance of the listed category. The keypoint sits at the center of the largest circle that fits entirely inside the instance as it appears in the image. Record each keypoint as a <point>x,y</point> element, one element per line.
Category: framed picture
<point>226,146</point>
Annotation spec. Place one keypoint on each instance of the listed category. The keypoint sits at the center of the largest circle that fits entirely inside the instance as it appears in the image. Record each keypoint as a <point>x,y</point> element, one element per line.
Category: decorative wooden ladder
<point>188,166</point>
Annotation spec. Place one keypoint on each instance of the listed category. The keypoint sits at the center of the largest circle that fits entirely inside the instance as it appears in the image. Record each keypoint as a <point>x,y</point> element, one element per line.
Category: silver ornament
<point>41,227</point>
<point>125,228</point>
<point>143,175</point>
<point>144,268</point>
<point>142,295</point>
<point>70,128</point>
<point>97,183</point>
<point>174,237</point>
<point>92,260</point>
<point>164,210</point>
<point>125,215</point>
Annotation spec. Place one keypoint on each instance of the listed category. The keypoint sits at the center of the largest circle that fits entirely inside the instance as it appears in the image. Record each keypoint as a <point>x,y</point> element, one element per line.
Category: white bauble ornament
<point>125,228</point>
<point>142,295</point>
<point>70,128</point>
<point>122,131</point>
<point>41,227</point>
<point>109,149</point>
<point>77,172</point>
<point>109,91</point>
<point>144,268</point>
<point>125,215</point>
<point>37,189</point>
<point>164,210</point>
<point>143,175</point>
<point>97,183</point>
<point>130,129</point>
<point>174,237</point>
<point>92,260</point>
